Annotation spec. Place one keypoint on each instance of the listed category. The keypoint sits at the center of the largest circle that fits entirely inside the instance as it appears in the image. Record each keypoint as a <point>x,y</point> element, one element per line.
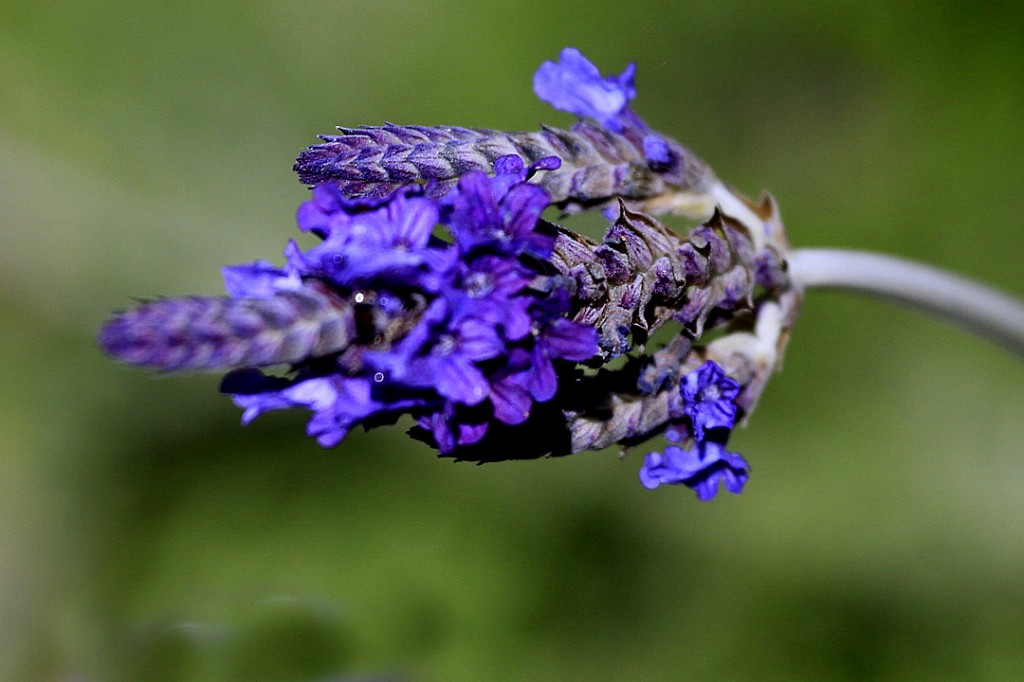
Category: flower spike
<point>439,291</point>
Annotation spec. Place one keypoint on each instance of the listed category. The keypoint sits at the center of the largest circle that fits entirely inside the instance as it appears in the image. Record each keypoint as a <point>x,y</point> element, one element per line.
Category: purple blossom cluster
<point>706,408</point>
<point>484,333</point>
<point>436,290</point>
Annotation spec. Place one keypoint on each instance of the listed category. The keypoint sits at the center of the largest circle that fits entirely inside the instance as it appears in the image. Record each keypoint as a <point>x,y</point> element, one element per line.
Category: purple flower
<point>499,212</point>
<point>701,468</point>
<point>708,398</point>
<point>338,403</point>
<point>438,292</point>
<point>447,356</point>
<point>510,397</point>
<point>329,206</point>
<point>368,241</point>
<point>561,339</point>
<point>461,333</point>
<point>575,85</point>
<point>488,289</point>
<point>510,170</point>
<point>452,427</point>
<point>553,338</point>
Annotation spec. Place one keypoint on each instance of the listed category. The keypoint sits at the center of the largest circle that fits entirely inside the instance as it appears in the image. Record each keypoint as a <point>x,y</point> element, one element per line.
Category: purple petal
<point>735,479</point>
<point>542,382</point>
<point>457,379</point>
<point>706,489</point>
<point>569,340</point>
<point>327,429</point>
<point>546,163</point>
<point>516,321</point>
<point>701,469</point>
<point>711,462</point>
<point>524,205</point>
<point>479,341</point>
<point>413,220</point>
<point>658,468</point>
<point>511,402</point>
<point>472,433</point>
<point>437,424</point>
<point>315,394</point>
<point>512,165</point>
<point>475,214</point>
<point>315,215</point>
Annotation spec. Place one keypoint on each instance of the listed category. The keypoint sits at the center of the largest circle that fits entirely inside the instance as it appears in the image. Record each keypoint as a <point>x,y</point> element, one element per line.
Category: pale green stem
<point>977,308</point>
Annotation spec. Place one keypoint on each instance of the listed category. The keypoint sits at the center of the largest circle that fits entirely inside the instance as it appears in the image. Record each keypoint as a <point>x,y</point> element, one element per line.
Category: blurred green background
<point>145,535</point>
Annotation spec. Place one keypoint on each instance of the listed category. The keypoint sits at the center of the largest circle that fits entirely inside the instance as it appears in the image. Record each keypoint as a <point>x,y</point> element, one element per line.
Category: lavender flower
<point>366,243</point>
<point>576,86</point>
<point>500,213</point>
<point>709,399</point>
<point>442,327</point>
<point>701,468</point>
<point>438,291</point>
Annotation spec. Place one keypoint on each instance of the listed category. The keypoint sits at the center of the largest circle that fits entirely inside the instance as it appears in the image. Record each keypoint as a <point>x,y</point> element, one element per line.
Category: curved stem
<point>977,308</point>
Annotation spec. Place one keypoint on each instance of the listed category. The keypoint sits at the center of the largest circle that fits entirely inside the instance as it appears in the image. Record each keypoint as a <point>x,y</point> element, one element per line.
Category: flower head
<point>437,291</point>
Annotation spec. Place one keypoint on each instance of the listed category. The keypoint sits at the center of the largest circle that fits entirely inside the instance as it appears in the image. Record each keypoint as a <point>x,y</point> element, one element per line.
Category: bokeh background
<point>145,535</point>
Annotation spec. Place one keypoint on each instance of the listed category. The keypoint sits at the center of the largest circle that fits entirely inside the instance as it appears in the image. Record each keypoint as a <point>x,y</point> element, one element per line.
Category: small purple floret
<point>708,398</point>
<point>360,247</point>
<point>500,212</point>
<point>701,468</point>
<point>575,85</point>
